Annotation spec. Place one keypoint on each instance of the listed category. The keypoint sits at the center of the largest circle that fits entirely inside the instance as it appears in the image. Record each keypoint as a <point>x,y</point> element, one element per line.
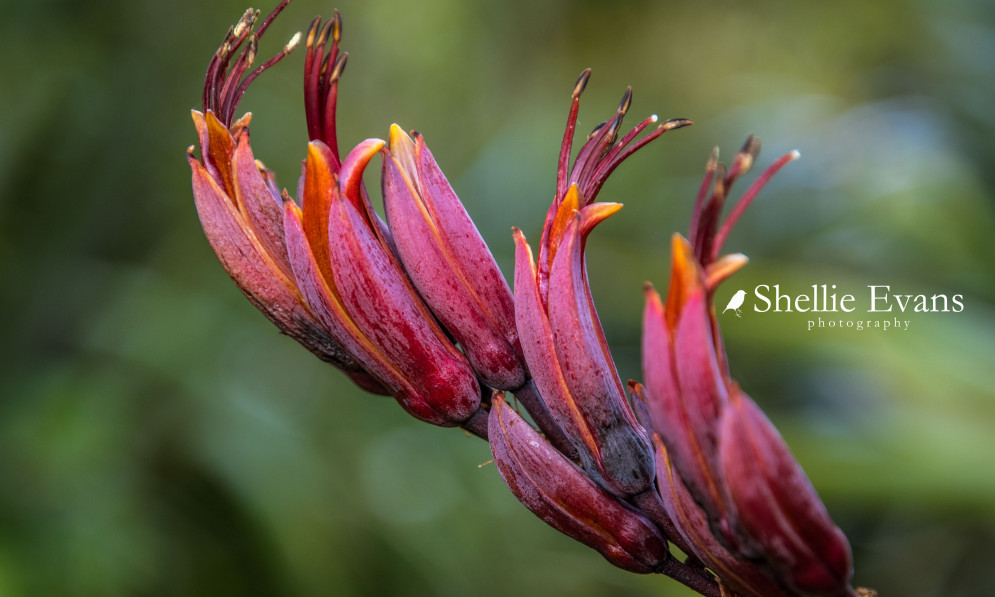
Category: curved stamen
<point>620,153</point>
<point>606,136</point>
<point>225,83</point>
<point>321,74</point>
<point>708,220</point>
<point>218,65</point>
<point>746,199</point>
<point>699,203</point>
<point>562,169</point>
<point>597,158</point>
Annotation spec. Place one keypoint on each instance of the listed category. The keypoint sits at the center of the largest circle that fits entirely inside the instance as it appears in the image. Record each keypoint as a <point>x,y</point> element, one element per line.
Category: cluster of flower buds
<point>415,307</point>
<point>741,503</point>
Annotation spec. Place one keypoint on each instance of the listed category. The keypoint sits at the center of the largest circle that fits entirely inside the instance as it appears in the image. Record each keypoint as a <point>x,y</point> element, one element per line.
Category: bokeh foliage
<point>158,437</point>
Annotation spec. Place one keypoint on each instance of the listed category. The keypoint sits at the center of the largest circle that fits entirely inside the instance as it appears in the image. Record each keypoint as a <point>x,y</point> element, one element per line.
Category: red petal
<point>540,353</point>
<point>744,578</point>
<point>559,493</point>
<point>380,300</point>
<point>325,304</point>
<point>255,273</point>
<point>450,264</point>
<point>258,205</point>
<point>620,451</point>
<point>776,504</point>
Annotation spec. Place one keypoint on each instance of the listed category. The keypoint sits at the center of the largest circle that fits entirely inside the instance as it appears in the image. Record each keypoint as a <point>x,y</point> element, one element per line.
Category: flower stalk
<point>416,307</point>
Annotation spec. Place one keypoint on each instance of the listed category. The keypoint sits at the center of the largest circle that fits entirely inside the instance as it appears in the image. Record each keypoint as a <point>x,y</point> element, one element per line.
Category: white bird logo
<point>736,302</point>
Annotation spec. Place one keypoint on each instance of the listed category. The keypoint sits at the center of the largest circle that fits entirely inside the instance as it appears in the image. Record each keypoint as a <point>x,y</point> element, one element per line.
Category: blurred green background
<point>159,437</point>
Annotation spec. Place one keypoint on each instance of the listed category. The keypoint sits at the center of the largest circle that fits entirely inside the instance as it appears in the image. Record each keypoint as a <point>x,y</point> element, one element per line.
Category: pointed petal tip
<point>680,246</point>
<point>290,209</point>
<point>396,134</point>
<point>593,214</point>
<point>723,268</point>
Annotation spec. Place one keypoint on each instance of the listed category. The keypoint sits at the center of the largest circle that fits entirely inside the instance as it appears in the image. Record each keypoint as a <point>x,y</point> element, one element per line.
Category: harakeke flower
<point>388,304</point>
<point>342,256</point>
<point>239,206</point>
<point>352,281</point>
<point>449,262</point>
<point>561,334</point>
<point>739,499</point>
<point>325,272</point>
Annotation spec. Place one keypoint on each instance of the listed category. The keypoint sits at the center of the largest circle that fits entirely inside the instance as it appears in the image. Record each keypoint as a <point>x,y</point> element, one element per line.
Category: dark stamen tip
<point>225,48</point>
<point>747,154</point>
<point>596,130</point>
<point>675,123</point>
<point>339,66</point>
<point>623,106</point>
<point>751,146</point>
<point>581,83</point>
<point>613,127</point>
<point>337,28</point>
<point>325,32</point>
<point>312,31</point>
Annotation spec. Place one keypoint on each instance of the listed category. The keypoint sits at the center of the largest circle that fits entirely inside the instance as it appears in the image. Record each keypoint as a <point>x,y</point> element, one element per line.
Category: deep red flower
<point>732,488</point>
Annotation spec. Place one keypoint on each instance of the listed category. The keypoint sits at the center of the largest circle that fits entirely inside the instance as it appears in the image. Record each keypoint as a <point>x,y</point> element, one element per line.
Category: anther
<point>675,123</point>
<point>623,106</point>
<point>245,22</point>
<point>581,83</point>
<point>296,39</point>
<point>339,66</point>
<point>312,32</point>
<point>337,28</point>
<point>250,51</point>
<point>325,31</point>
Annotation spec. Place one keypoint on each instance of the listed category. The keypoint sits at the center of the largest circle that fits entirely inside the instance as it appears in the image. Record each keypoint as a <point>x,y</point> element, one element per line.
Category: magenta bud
<point>560,493</point>
<point>242,218</point>
<point>352,282</point>
<point>561,334</point>
<point>743,577</point>
<point>568,357</point>
<point>684,388</point>
<point>449,263</point>
<point>776,504</point>
<point>721,451</point>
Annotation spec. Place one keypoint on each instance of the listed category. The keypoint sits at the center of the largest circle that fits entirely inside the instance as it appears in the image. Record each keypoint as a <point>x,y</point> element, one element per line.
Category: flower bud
<point>743,577</point>
<point>568,358</point>
<point>559,492</point>
<point>718,451</point>
<point>562,338</point>
<point>776,504</point>
<point>238,202</point>
<point>351,280</point>
<point>449,263</point>
<point>242,219</point>
<point>684,388</point>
